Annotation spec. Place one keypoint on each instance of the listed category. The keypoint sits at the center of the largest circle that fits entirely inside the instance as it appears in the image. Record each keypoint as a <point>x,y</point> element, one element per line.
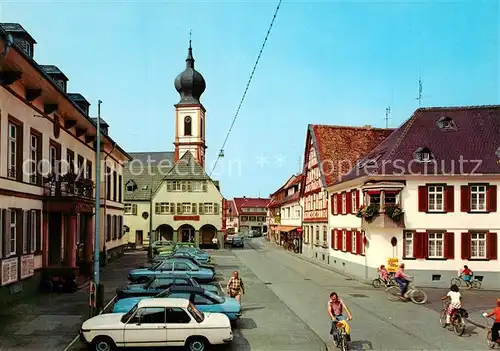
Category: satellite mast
<point>387,112</point>
<point>420,89</point>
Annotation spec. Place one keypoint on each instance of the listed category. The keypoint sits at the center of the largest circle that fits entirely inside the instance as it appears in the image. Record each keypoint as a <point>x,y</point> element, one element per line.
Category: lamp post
<point>97,245</point>
<point>150,248</point>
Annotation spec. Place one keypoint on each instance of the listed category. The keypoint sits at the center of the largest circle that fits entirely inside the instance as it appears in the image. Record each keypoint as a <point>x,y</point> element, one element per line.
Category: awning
<point>286,228</point>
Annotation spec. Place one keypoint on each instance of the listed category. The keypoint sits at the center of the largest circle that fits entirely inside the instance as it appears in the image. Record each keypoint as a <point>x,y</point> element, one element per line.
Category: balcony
<point>68,194</point>
<point>391,216</point>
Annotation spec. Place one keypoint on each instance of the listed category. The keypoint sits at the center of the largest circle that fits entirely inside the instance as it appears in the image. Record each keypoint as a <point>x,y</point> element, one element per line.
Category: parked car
<point>157,285</point>
<point>171,269</point>
<point>237,241</point>
<point>182,244</point>
<point>162,244</point>
<point>204,300</point>
<point>200,255</point>
<point>160,323</point>
<point>183,255</point>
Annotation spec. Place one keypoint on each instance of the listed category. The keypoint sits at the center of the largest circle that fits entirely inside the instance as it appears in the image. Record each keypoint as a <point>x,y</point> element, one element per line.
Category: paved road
<point>378,323</point>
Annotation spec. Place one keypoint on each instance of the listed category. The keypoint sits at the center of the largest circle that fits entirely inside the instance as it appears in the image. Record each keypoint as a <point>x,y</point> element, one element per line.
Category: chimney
<point>80,101</point>
<point>57,76</point>
<point>21,37</point>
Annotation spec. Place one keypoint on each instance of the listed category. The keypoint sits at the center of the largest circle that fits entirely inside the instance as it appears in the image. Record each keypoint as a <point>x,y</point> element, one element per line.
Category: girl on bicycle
<point>455,301</point>
<point>336,308</point>
<point>384,274</point>
<point>496,325</point>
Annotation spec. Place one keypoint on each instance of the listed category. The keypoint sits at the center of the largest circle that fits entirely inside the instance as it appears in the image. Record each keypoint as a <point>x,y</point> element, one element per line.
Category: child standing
<point>455,301</point>
<point>496,325</point>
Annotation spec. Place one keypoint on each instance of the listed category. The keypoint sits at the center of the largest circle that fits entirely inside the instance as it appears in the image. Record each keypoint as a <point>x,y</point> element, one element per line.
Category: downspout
<point>105,219</point>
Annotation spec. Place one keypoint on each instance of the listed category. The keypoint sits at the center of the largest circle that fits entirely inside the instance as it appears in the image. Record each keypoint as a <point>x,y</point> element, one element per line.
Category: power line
<point>246,88</point>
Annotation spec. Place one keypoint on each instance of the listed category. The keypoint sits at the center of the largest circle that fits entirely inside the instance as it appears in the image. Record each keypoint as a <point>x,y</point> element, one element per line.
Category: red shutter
<point>465,198</point>
<point>417,244</point>
<point>359,242</point>
<point>449,198</point>
<point>425,245</point>
<point>423,199</point>
<point>332,201</point>
<point>348,241</point>
<point>404,245</point>
<point>348,202</point>
<point>358,205</point>
<point>491,198</point>
<point>339,240</point>
<point>339,203</point>
<point>332,239</point>
<point>492,246</point>
<point>465,244</point>
<point>449,246</point>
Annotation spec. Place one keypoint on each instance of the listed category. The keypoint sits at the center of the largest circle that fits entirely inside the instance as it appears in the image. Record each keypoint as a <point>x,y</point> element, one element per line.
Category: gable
<point>187,168</point>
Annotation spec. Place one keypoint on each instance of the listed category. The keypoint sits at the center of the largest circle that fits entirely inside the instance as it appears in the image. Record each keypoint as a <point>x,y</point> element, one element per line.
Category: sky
<point>325,62</point>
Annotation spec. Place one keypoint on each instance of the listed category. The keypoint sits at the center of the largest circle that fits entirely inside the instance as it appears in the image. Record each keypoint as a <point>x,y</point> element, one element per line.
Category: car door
<point>165,269</point>
<point>179,326</point>
<point>146,328</point>
<point>181,268</point>
<point>203,303</point>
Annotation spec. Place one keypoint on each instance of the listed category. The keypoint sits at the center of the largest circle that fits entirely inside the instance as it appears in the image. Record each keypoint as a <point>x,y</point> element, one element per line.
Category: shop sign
<point>27,266</point>
<point>186,218</point>
<point>9,271</point>
<point>392,264</point>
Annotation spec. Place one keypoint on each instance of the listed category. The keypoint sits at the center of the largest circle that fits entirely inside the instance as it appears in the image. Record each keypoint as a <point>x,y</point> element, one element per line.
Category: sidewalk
<point>51,321</point>
<point>475,301</point>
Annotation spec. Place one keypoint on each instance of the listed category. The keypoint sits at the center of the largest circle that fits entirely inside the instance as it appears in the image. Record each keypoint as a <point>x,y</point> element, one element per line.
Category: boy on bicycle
<point>466,273</point>
<point>336,308</point>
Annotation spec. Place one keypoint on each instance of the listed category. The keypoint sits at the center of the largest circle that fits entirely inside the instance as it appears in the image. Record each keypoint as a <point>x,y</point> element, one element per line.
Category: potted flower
<point>86,186</point>
<point>368,212</point>
<point>69,179</point>
<point>394,212</point>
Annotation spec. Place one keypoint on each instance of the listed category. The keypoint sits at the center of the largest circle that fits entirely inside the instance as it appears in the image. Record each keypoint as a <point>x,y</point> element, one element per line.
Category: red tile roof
<point>249,202</point>
<point>339,147</point>
<point>292,181</point>
<point>471,145</point>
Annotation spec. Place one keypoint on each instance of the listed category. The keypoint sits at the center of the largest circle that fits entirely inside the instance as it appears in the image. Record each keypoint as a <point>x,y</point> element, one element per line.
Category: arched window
<point>187,125</point>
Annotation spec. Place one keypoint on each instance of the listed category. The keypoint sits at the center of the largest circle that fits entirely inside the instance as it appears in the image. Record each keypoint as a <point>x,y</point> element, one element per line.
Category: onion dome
<point>190,84</point>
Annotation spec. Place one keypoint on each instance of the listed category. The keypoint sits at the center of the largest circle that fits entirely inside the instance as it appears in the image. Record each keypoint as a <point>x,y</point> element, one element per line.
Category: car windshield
<point>214,296</point>
<point>129,314</point>
<point>148,284</point>
<point>197,315</point>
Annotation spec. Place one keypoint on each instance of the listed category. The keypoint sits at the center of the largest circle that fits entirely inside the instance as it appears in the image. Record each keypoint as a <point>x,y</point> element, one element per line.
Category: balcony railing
<point>68,187</point>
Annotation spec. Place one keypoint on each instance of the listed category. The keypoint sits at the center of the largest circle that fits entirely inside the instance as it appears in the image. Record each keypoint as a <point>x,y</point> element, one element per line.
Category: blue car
<point>157,285</point>
<point>200,255</point>
<point>171,269</point>
<point>182,255</point>
<point>204,300</point>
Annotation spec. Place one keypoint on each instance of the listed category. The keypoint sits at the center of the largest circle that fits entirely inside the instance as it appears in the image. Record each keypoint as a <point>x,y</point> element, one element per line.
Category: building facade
<point>426,196</point>
<point>168,195</point>
<point>247,214</point>
<point>330,151</point>
<point>47,170</point>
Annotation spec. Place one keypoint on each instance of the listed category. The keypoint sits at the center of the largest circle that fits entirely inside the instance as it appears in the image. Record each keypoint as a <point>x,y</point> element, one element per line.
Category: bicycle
<point>341,335</point>
<point>473,283</point>
<point>377,282</point>
<point>412,292</point>
<point>457,319</point>
<point>491,343</point>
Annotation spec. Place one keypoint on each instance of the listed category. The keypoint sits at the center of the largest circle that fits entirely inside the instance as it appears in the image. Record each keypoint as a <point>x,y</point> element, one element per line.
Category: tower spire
<point>190,59</point>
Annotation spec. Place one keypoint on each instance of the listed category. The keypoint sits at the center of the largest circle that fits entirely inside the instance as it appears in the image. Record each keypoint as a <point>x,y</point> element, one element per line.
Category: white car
<point>159,322</point>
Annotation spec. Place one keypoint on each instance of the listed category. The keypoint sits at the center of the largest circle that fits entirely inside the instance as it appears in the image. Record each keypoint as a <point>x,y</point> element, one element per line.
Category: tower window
<point>187,125</point>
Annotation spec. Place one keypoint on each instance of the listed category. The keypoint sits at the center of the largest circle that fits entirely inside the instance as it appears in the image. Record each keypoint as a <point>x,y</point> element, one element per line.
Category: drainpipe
<point>105,201</point>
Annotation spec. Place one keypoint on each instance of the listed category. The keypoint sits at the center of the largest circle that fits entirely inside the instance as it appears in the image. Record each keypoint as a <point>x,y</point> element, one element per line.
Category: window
<point>252,219</point>
<point>436,245</point>
<point>478,245</point>
<point>33,230</point>
<point>197,315</point>
<point>408,244</point>
<point>374,199</point>
<point>119,188</point>
<point>176,185</point>
<point>209,208</point>
<point>181,267</point>
<point>164,208</point>
<point>362,245</point>
<point>151,315</point>
<point>115,193</point>
<point>389,198</point>
<point>165,266</point>
<point>354,204</point>
<point>317,234</point>
<point>127,208</point>
<point>186,207</point>
<point>202,300</point>
<point>108,183</point>
<point>35,158</point>
<point>297,212</point>
<point>478,198</point>
<point>354,243</point>
<point>435,198</point>
<point>12,151</point>
<point>13,232</point>
<point>335,209</point>
<point>53,159</point>
<point>344,240</point>
<point>177,315</point>
<point>187,125</point>
<point>70,159</point>
<point>196,186</point>
<point>88,169</point>
<point>80,166</point>
<point>324,234</point>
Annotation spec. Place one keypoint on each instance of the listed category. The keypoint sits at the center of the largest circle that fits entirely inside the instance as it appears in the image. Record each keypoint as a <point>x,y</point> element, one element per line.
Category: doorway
<point>186,234</point>
<point>138,238</point>
<point>55,238</point>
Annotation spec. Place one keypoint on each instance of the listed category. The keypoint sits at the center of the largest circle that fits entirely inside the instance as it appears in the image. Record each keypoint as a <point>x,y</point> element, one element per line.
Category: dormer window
<point>130,186</point>
<point>446,124</point>
<point>423,155</point>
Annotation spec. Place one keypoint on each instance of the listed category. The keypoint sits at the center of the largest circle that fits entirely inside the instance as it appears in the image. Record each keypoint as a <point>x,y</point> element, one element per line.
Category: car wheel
<point>103,343</point>
<point>196,344</point>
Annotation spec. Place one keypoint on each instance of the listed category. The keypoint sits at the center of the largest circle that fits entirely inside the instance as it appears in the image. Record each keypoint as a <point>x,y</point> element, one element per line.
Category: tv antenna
<point>420,90</point>
<point>387,113</point>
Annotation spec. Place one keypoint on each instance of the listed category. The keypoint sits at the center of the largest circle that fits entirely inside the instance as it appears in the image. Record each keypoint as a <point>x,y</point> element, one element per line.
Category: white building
<point>169,193</point>
<point>441,168</point>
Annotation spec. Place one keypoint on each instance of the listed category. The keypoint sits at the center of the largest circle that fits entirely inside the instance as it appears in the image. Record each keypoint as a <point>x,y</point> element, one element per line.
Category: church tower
<point>190,113</point>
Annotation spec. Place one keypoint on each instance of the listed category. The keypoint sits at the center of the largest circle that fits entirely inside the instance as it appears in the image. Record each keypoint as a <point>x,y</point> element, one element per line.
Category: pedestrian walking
<point>235,287</point>
<point>215,241</point>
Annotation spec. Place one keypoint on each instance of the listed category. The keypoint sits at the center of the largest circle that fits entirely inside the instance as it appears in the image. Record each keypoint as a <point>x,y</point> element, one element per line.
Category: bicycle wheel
<point>418,296</point>
<point>476,284</point>
<point>393,293</point>
<point>489,342</point>
<point>442,319</point>
<point>459,325</point>
<point>335,340</point>
<point>376,283</point>
<point>456,281</point>
<point>343,343</point>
